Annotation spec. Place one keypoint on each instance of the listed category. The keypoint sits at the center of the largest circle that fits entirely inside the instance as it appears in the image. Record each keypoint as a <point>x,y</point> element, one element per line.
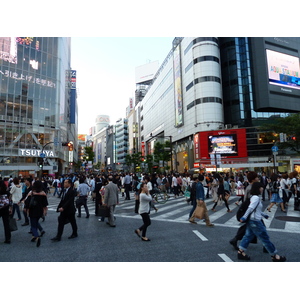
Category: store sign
<point>35,152</point>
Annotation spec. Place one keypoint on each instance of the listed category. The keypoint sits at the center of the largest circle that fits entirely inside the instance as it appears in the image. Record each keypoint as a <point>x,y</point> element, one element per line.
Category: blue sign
<point>274,148</point>
<point>43,155</point>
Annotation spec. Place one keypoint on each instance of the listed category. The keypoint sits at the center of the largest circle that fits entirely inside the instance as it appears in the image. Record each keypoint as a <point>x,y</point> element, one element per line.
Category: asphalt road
<point>171,240</point>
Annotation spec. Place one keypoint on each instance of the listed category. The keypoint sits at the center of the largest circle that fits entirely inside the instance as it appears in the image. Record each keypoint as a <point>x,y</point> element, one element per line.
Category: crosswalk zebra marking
<point>200,236</point>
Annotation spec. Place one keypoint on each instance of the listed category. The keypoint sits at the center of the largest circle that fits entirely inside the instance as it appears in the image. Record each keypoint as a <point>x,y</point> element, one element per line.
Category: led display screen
<point>283,69</point>
<point>223,144</point>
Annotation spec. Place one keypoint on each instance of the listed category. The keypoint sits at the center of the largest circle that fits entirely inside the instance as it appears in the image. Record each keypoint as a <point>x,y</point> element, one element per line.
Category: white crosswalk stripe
<point>177,210</point>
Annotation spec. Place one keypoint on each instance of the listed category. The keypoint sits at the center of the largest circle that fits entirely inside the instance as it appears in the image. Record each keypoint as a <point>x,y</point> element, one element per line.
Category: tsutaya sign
<point>35,152</point>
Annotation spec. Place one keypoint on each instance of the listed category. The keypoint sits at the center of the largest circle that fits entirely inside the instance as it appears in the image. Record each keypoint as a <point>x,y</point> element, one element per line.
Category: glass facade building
<point>35,104</point>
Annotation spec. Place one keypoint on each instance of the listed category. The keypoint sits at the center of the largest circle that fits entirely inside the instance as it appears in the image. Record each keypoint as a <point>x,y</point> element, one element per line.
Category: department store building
<point>38,110</point>
<point>211,94</point>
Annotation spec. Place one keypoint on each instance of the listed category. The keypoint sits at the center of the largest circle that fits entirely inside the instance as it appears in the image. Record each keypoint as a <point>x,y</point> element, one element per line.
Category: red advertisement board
<point>228,144</point>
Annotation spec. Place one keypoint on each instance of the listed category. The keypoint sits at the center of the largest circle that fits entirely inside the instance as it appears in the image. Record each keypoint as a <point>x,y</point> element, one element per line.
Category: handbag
<point>240,191</point>
<point>13,224</point>
<point>199,212</point>
<point>103,211</point>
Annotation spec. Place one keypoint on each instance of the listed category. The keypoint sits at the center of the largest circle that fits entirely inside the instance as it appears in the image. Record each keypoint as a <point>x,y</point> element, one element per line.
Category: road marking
<point>199,235</point>
<point>225,257</point>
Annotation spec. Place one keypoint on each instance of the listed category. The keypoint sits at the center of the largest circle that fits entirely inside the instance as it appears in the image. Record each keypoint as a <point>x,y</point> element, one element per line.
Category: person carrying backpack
<point>252,177</point>
<point>255,226</point>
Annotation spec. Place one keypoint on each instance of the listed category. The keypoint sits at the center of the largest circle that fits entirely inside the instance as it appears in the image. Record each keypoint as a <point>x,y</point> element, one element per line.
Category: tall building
<point>210,95</point>
<point>38,109</point>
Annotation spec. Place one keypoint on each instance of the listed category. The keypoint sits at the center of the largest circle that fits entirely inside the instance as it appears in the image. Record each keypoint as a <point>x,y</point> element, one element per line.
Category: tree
<point>88,154</point>
<point>162,152</point>
<point>290,126</point>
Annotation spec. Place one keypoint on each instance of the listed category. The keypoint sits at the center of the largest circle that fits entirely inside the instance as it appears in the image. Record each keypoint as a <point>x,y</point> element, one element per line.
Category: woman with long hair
<point>255,227</point>
<point>144,211</point>
<point>36,205</point>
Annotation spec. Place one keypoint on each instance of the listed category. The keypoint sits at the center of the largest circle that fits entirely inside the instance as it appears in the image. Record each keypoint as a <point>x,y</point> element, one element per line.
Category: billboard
<point>226,144</point>
<point>146,72</point>
<point>283,69</point>
<point>177,87</point>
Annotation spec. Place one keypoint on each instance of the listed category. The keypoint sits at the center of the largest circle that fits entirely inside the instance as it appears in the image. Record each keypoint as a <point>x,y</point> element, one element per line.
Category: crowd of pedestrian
<point>29,196</point>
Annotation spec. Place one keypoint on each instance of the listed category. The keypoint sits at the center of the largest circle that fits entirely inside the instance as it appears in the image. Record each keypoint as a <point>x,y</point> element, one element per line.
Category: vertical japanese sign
<point>196,147</point>
<point>177,87</point>
<point>73,98</point>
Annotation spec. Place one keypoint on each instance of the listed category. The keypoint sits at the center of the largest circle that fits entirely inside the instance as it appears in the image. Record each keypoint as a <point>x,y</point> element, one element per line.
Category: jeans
<point>35,226</point>
<point>257,228</point>
<point>17,209</point>
<point>84,203</point>
<point>56,191</point>
<point>194,203</point>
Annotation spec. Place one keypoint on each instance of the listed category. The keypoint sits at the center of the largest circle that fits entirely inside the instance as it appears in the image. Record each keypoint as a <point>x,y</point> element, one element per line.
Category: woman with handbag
<point>275,198</point>
<point>240,189</point>
<point>222,195</point>
<point>5,210</point>
<point>36,205</point>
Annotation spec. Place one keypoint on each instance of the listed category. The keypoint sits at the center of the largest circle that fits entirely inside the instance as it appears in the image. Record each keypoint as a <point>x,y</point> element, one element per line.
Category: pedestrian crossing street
<point>177,210</point>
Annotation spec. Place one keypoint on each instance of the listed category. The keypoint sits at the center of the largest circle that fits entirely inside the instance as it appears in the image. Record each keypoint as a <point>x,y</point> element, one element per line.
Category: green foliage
<point>290,126</point>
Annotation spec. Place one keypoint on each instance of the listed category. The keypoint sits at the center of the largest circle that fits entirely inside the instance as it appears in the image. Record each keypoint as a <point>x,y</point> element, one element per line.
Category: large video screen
<point>224,144</point>
<point>283,69</point>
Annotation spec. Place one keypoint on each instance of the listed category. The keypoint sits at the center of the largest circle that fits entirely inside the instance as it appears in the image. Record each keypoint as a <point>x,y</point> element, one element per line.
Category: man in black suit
<point>67,211</point>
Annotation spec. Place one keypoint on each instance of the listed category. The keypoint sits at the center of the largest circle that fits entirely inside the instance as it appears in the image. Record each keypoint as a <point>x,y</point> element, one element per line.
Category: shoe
<point>228,210</point>
<point>38,242</point>
<point>138,233</point>
<point>73,236</point>
<point>110,225</point>
<point>6,242</point>
<point>242,255</point>
<point>19,219</point>
<point>145,239</point>
<point>233,242</point>
<point>33,239</point>
<point>283,211</point>
<point>210,225</point>
<point>281,258</point>
<point>87,216</point>
<point>55,239</point>
<point>236,203</point>
<point>42,233</point>
<point>193,222</point>
<point>213,209</point>
<point>25,224</point>
<point>268,210</point>
<point>78,216</point>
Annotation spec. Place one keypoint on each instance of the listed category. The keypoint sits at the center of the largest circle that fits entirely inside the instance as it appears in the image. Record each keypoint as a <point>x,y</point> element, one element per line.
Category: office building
<point>38,109</point>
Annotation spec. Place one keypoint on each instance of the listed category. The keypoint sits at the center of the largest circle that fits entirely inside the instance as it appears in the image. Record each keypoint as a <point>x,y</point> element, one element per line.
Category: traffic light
<point>70,145</point>
<point>40,162</point>
<point>294,138</point>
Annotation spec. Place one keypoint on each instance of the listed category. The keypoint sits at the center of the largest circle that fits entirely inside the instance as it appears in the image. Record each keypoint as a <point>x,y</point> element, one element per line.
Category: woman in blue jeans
<point>255,226</point>
<point>36,206</point>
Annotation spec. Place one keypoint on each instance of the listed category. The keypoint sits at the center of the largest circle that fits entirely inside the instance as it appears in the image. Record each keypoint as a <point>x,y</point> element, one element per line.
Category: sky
<point>106,73</point>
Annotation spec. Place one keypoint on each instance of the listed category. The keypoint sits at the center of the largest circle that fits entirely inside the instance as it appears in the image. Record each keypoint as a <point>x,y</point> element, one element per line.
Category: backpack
<point>33,202</point>
<point>243,208</point>
<point>55,184</point>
